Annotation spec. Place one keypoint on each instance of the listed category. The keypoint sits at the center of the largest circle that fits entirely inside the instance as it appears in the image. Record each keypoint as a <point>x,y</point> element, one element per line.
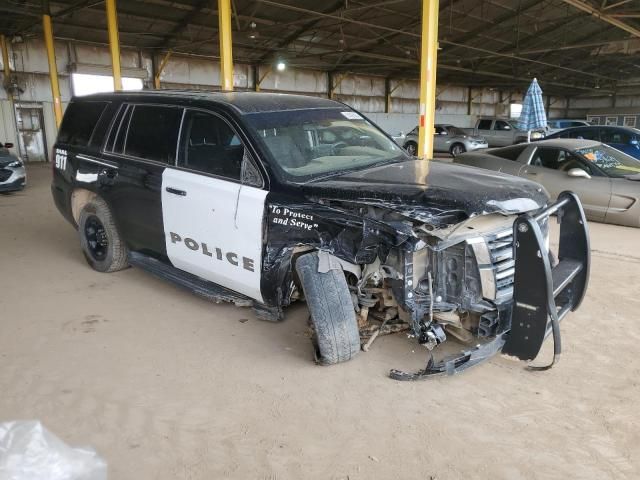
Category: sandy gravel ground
<point>167,386</point>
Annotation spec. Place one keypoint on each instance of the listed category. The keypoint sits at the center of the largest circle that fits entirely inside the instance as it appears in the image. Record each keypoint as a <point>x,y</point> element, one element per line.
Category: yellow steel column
<point>53,69</point>
<point>429,53</point>
<point>226,55</point>
<point>5,58</point>
<point>114,43</point>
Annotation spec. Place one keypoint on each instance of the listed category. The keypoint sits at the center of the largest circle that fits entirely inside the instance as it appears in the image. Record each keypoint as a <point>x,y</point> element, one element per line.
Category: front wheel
<point>411,148</point>
<point>102,246</point>
<point>457,149</point>
<point>334,320</point>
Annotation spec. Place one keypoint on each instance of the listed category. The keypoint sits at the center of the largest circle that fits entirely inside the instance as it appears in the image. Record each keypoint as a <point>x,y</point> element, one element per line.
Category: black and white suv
<point>263,199</point>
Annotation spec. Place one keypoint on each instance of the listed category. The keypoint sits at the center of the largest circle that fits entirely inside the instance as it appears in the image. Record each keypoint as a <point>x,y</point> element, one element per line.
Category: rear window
<point>153,133</point>
<point>509,153</point>
<point>80,120</point>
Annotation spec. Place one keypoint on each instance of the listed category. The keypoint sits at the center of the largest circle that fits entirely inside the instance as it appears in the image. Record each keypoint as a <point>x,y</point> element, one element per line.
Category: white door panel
<point>214,229</point>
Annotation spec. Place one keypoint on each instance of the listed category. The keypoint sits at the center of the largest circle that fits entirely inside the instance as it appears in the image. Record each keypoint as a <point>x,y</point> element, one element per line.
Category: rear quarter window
<point>509,153</point>
<point>79,122</point>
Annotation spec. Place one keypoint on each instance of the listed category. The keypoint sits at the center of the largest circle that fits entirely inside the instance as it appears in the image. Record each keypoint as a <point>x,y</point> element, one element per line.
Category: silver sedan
<point>12,172</point>
<point>446,139</point>
<point>606,180</point>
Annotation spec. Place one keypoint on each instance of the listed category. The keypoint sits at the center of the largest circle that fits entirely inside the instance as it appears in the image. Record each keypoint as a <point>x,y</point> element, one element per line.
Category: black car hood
<point>432,192</point>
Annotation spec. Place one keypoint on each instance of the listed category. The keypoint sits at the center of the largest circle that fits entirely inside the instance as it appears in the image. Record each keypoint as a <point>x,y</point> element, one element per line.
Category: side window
<point>612,135</point>
<point>501,125</point>
<point>80,120</point>
<point>547,157</point>
<point>153,133</point>
<point>439,130</point>
<point>210,145</point>
<point>584,133</point>
<point>484,124</point>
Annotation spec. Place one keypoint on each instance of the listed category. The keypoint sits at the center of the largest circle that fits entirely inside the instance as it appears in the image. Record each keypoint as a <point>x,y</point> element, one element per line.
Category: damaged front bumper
<point>542,295</point>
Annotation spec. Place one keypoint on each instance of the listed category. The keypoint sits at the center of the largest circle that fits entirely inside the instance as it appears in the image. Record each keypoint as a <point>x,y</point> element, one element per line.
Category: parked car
<point>625,139</point>
<point>259,199</point>
<point>446,138</point>
<point>558,124</point>
<point>500,132</point>
<point>606,179</point>
<point>13,175</point>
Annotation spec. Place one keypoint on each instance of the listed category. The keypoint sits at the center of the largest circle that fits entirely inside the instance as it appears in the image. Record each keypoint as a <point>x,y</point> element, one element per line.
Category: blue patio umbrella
<point>533,115</point>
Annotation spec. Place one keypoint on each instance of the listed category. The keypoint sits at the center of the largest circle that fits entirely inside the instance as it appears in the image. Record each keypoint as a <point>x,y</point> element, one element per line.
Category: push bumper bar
<point>542,294</point>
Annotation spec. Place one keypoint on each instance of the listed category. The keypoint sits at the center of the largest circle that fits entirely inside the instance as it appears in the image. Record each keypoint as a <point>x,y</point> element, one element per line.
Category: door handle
<point>107,176</point>
<point>528,172</point>
<point>175,191</point>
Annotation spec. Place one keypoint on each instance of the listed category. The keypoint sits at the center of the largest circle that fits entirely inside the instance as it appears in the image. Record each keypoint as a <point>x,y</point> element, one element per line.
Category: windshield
<point>612,161</point>
<point>306,144</point>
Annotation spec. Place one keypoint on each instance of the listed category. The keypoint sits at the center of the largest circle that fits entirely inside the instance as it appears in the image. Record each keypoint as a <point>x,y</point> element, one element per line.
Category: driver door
<point>550,166</point>
<point>213,206</point>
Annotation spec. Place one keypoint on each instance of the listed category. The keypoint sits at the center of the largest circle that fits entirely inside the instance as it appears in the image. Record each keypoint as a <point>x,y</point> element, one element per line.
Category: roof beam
<point>183,23</point>
<point>580,5</point>
<point>336,17</point>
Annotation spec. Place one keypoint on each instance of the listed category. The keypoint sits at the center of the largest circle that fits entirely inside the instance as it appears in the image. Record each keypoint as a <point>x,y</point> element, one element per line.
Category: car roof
<point>592,127</point>
<point>568,143</point>
<point>243,102</point>
<point>567,120</point>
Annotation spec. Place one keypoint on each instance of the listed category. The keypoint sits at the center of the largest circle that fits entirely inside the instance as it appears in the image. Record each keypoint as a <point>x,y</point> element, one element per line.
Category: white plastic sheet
<point>28,451</point>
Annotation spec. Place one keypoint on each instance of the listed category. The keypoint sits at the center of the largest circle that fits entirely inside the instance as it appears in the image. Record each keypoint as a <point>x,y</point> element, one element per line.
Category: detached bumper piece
<point>542,295</point>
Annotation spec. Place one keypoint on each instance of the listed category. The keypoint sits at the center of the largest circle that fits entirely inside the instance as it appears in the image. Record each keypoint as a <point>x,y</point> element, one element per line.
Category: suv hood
<point>432,192</point>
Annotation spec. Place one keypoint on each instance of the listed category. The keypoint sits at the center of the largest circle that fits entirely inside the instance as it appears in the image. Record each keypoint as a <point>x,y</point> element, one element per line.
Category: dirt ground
<point>165,385</point>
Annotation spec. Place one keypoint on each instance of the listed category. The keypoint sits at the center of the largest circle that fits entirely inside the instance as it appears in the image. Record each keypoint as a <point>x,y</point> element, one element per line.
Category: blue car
<point>625,139</point>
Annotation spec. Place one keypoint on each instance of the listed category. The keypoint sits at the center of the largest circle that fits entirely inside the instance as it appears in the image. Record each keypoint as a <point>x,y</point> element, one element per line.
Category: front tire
<point>411,148</point>
<point>457,149</point>
<point>336,329</point>
<point>101,243</point>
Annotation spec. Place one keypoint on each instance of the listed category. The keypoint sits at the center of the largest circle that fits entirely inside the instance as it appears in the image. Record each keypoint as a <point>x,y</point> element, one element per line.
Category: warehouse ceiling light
<point>281,66</point>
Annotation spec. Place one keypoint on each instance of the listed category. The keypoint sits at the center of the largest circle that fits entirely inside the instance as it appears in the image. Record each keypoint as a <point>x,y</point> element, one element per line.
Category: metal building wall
<point>362,92</point>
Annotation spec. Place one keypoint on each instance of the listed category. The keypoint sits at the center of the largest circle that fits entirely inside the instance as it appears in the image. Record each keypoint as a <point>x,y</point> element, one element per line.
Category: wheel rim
<point>96,236</point>
<point>411,149</point>
<point>457,150</point>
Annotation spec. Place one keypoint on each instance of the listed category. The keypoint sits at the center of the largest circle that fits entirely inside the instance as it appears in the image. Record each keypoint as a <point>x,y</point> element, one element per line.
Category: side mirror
<point>506,127</point>
<point>8,145</point>
<point>633,142</point>
<point>578,173</point>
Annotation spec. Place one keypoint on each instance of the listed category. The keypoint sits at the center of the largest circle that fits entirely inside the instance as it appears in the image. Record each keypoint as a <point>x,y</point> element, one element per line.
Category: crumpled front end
<point>498,291</point>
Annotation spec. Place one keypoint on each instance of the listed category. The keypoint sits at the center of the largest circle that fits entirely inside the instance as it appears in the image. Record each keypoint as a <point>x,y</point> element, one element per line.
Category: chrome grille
<point>496,265</point>
<point>501,255</point>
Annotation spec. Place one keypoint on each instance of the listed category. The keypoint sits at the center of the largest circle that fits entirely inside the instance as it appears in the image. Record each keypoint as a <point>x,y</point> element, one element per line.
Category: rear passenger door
<point>484,130</point>
<point>213,206</point>
<point>142,144</point>
<point>502,134</point>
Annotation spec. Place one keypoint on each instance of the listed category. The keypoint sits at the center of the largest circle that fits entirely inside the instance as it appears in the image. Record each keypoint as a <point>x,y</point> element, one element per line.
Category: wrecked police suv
<point>265,199</point>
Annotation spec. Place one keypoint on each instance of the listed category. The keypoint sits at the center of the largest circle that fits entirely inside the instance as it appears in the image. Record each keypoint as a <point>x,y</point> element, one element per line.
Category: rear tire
<point>101,243</point>
<point>332,314</point>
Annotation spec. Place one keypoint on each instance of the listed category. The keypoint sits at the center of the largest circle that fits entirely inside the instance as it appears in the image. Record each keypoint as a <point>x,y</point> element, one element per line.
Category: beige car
<point>606,180</point>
